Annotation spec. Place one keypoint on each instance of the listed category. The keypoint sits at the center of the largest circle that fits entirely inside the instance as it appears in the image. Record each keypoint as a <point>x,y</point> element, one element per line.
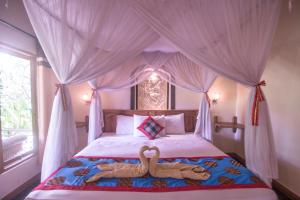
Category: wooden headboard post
<point>190,117</point>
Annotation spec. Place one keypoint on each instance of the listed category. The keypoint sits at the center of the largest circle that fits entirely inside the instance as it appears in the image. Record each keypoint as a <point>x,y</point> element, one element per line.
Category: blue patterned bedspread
<point>226,173</point>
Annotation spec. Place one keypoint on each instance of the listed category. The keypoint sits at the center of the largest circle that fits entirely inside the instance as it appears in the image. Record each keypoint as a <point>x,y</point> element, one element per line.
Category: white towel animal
<point>175,170</point>
<point>123,170</point>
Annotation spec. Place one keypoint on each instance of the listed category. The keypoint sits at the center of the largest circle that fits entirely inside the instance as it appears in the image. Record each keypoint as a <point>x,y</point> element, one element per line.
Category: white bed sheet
<point>170,146</point>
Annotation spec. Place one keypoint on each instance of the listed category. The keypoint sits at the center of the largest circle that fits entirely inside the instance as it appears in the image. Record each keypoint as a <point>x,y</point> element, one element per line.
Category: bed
<point>183,145</point>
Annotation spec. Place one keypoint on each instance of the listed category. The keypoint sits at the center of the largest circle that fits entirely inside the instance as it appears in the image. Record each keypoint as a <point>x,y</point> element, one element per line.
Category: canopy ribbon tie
<point>207,98</point>
<point>94,93</point>
<point>61,87</point>
<point>259,97</point>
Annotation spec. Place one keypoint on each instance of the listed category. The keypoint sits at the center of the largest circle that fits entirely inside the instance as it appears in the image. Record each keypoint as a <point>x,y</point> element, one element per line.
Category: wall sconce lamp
<point>86,98</point>
<point>215,97</point>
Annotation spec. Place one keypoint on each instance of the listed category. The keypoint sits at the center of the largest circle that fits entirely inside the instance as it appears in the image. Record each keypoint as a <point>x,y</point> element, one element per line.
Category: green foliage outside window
<point>15,94</point>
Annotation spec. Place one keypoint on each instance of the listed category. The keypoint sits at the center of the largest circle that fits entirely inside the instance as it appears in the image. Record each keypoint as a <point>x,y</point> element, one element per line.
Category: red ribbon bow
<point>259,97</point>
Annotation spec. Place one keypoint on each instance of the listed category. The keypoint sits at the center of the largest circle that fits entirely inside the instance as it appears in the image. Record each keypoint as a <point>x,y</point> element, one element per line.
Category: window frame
<point>7,165</point>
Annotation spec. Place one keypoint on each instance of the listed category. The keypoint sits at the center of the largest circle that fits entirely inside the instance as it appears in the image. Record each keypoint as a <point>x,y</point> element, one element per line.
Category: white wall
<point>18,175</point>
<point>243,94</point>
<point>283,93</point>
<point>282,76</point>
<point>225,110</point>
<point>110,100</point>
<point>185,99</point>
<point>16,15</point>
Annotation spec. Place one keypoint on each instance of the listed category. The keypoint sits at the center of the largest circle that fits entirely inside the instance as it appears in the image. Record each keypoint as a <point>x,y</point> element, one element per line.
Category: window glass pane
<point>16,108</point>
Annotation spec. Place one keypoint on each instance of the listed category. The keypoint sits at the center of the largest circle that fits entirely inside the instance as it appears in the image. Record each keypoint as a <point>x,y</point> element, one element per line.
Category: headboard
<point>190,117</point>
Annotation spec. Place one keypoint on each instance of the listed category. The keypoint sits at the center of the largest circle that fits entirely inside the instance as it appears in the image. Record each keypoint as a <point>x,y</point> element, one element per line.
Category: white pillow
<point>124,125</point>
<point>175,124</point>
<point>138,120</point>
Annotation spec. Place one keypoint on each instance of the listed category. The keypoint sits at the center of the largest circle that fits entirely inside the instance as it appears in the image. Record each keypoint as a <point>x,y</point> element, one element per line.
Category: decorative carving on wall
<point>153,94</point>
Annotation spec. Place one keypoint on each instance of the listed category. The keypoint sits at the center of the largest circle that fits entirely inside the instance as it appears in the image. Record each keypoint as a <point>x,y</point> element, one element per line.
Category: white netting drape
<point>233,38</point>
<point>125,76</point>
<point>173,67</point>
<point>182,72</point>
<point>81,41</point>
<point>86,39</point>
<point>191,76</point>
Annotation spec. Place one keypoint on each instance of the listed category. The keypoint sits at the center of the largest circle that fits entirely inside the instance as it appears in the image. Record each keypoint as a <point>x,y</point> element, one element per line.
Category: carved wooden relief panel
<point>153,94</point>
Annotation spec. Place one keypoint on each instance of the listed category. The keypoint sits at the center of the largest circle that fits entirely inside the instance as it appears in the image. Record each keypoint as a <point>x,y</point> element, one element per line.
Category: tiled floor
<point>23,194</point>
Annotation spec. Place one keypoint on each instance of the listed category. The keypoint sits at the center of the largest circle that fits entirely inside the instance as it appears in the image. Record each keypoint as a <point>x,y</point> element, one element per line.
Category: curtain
<point>172,67</point>
<point>188,75</point>
<point>233,38</point>
<point>125,76</point>
<point>81,41</point>
<point>96,122</point>
<point>156,59</point>
<point>182,72</point>
<point>259,143</point>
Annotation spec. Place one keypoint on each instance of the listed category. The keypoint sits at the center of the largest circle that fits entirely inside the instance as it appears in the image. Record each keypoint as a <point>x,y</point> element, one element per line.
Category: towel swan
<point>123,170</point>
<point>175,170</point>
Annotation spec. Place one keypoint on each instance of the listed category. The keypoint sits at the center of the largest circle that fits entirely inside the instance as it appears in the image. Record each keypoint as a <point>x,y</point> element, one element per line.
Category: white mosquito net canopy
<point>98,40</point>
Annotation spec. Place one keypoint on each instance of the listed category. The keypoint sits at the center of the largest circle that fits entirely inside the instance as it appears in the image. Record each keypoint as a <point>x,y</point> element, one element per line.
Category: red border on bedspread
<point>43,185</point>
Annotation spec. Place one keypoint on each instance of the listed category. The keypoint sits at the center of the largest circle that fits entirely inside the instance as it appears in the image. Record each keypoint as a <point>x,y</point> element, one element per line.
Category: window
<point>17,141</point>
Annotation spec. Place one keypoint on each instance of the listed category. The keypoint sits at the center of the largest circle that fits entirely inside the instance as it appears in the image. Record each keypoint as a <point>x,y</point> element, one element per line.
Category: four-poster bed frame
<point>105,43</point>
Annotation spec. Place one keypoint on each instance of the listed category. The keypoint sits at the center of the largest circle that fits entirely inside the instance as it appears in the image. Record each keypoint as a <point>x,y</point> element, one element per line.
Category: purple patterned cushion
<point>150,128</point>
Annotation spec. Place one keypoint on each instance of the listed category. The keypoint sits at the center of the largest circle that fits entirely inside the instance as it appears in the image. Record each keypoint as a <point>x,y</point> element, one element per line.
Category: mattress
<point>185,145</point>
